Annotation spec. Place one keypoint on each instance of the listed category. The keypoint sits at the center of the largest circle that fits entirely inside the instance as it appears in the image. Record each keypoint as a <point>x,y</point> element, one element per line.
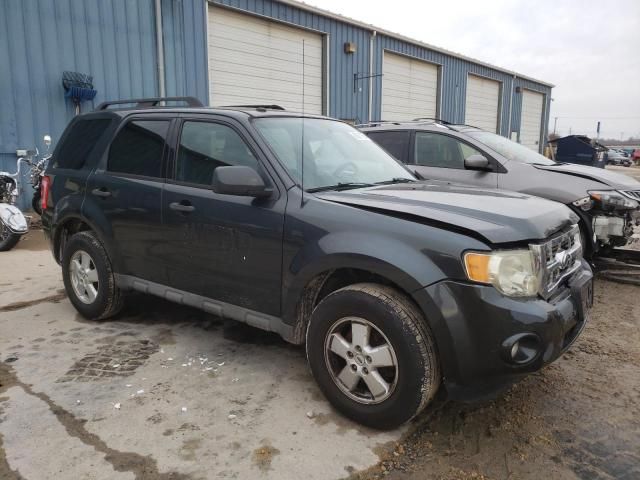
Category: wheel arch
<point>74,223</point>
<point>307,292</point>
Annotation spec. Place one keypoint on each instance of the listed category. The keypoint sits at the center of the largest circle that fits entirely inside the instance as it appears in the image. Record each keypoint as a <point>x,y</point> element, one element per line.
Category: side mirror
<point>239,180</point>
<point>476,162</point>
<point>47,141</point>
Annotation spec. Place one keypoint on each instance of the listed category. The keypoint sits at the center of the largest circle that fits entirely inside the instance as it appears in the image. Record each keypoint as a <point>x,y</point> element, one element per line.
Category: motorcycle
<point>35,177</point>
<point>13,223</point>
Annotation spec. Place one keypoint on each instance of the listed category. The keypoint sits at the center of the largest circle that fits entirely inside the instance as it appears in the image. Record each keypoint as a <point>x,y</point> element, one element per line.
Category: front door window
<point>442,151</point>
<point>206,146</point>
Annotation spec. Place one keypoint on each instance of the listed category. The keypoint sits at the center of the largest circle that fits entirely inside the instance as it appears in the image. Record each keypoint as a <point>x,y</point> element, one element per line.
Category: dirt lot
<point>167,392</point>
<point>631,171</point>
<point>579,418</point>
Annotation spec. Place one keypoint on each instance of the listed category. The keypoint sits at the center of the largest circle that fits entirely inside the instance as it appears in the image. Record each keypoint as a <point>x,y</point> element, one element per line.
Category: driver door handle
<point>184,206</point>
<point>101,192</point>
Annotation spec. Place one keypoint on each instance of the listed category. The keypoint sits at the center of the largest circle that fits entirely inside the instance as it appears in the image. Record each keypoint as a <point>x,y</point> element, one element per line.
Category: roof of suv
<point>125,108</point>
<point>418,124</point>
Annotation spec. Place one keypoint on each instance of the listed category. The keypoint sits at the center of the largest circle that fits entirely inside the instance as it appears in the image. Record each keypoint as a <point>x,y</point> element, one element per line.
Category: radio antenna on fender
<point>302,134</point>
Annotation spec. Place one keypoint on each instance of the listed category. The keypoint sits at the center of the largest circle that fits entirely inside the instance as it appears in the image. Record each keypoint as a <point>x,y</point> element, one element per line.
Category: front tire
<point>373,355</point>
<point>89,279</point>
<point>8,239</point>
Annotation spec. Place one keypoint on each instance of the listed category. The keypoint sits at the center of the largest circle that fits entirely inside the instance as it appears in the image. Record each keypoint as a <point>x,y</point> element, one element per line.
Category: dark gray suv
<point>303,226</point>
<point>607,203</point>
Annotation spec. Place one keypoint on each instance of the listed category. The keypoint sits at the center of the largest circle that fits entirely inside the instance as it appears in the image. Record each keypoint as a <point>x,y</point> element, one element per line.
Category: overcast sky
<point>589,49</point>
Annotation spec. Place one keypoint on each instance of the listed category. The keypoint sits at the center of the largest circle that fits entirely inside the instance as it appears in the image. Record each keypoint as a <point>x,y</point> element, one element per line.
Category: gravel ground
<point>578,418</point>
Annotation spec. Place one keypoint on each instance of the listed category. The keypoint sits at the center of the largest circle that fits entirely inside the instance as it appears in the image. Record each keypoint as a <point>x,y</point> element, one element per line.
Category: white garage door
<point>531,120</point>
<point>483,103</point>
<point>256,61</point>
<point>409,88</point>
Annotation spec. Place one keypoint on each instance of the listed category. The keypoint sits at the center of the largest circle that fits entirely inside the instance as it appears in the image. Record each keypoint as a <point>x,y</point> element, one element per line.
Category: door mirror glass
<point>239,180</point>
<point>476,162</point>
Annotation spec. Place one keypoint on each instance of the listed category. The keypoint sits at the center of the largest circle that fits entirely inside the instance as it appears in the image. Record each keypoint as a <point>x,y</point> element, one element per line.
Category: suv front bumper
<point>476,328</point>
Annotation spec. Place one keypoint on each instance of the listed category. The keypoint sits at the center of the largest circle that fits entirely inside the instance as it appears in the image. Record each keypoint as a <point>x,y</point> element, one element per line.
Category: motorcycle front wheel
<point>8,239</point>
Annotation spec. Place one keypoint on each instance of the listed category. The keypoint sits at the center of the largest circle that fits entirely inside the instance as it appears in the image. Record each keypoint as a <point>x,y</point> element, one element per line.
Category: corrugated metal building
<point>240,52</point>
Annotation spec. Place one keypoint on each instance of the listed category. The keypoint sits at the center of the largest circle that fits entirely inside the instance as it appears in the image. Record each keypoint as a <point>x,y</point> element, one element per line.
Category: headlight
<point>512,272</point>
<point>612,200</point>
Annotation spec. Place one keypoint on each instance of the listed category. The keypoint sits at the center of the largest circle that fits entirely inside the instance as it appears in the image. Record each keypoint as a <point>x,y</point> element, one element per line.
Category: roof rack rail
<point>151,102</point>
<point>435,120</point>
<point>378,122</point>
<point>403,122</point>
<point>266,107</point>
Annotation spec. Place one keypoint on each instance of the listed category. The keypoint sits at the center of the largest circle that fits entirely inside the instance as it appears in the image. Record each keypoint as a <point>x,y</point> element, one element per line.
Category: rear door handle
<point>184,206</point>
<point>101,192</point>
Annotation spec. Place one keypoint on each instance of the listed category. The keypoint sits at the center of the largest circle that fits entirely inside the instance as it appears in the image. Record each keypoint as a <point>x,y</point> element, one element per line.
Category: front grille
<point>633,194</point>
<point>558,258</point>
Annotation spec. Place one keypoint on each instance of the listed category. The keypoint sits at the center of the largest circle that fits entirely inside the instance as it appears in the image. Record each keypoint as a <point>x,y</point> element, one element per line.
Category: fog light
<point>521,349</point>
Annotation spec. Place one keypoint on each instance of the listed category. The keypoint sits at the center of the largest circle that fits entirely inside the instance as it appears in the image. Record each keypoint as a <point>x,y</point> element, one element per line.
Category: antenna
<point>302,136</point>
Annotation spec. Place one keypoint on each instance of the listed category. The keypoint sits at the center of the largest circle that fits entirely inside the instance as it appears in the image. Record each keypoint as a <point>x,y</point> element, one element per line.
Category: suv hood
<point>495,215</point>
<point>614,180</point>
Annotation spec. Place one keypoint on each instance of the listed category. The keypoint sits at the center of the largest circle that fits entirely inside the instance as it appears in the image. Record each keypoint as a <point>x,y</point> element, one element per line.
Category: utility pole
<point>555,124</point>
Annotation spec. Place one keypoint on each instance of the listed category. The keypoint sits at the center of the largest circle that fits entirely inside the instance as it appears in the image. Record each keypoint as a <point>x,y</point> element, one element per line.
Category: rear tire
<point>373,355</point>
<point>35,202</point>
<point>89,279</point>
<point>8,239</point>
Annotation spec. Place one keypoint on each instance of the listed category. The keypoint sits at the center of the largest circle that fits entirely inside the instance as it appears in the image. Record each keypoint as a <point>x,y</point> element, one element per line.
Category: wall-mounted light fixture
<point>518,89</point>
<point>349,47</point>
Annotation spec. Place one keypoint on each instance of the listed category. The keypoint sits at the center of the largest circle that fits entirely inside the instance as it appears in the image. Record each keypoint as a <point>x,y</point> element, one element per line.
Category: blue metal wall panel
<point>113,40</point>
<point>185,48</point>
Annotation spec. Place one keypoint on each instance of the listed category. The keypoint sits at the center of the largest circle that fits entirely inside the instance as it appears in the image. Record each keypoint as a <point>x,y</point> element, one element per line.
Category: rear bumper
<point>476,328</point>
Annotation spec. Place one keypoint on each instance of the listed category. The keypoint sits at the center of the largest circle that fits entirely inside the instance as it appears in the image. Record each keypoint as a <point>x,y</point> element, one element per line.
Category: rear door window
<point>395,143</point>
<point>138,148</point>
<point>79,142</point>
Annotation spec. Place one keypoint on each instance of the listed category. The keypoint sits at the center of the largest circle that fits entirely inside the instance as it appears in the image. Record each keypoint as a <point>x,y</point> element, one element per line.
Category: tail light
<point>44,191</point>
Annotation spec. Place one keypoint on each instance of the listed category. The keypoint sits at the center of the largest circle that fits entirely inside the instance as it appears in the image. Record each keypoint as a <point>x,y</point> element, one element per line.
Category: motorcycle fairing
<point>13,218</point>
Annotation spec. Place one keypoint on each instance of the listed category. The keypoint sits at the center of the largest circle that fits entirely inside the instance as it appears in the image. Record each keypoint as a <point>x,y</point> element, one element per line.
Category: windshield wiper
<point>340,186</point>
<point>396,180</point>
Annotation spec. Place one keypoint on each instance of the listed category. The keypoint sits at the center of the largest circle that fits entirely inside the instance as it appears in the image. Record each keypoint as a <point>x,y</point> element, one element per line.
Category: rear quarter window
<point>79,142</point>
<point>396,143</point>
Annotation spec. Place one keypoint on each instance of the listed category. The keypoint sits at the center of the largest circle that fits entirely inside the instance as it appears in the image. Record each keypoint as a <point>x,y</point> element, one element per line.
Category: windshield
<point>510,150</point>
<point>334,153</point>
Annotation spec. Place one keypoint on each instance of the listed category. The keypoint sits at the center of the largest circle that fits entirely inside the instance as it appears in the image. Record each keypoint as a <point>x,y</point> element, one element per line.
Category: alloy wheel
<point>361,360</point>
<point>83,276</point>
